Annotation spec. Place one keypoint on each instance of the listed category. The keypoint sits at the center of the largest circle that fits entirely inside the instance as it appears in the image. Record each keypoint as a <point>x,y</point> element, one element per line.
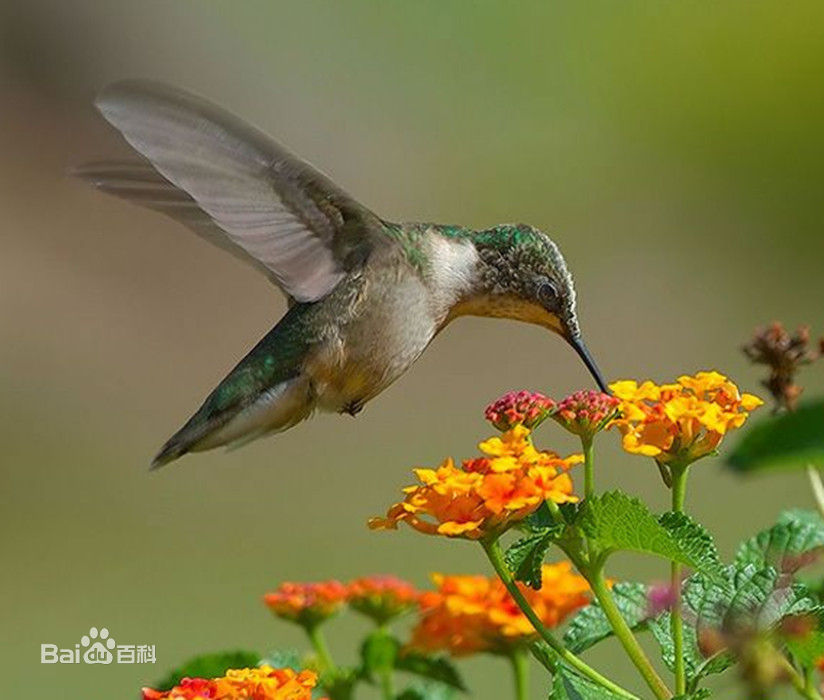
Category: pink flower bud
<point>525,408</point>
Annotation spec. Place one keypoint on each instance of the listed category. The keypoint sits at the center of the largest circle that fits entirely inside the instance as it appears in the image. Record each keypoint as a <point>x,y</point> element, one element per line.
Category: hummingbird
<point>365,295</point>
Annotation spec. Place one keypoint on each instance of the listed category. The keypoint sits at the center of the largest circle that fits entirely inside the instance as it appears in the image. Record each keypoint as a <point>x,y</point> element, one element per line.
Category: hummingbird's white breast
<point>397,313</point>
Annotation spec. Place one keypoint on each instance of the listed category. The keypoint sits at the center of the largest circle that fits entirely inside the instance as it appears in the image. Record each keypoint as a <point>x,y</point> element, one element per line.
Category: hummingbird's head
<point>524,277</point>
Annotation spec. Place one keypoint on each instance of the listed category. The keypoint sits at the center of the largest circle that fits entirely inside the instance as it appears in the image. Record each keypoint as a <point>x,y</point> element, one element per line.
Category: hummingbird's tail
<point>272,411</point>
<point>175,447</point>
<point>267,392</point>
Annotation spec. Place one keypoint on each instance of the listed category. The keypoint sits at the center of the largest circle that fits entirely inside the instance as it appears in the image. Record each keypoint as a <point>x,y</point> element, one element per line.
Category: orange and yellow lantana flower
<point>484,495</point>
<point>264,683</point>
<point>471,614</point>
<point>382,597</point>
<point>680,422</point>
<point>307,604</point>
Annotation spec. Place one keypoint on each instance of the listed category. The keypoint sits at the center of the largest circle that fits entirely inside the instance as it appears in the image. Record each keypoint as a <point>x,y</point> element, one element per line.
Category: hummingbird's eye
<point>547,293</point>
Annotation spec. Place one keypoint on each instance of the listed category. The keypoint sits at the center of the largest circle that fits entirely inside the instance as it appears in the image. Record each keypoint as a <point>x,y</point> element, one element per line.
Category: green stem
<point>625,636</point>
<point>589,477</point>
<point>679,492</point>
<point>387,686</point>
<point>321,649</point>
<point>804,689</point>
<point>520,672</point>
<point>492,547</point>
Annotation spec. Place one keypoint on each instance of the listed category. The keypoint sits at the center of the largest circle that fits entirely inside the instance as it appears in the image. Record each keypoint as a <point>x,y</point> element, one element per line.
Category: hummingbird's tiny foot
<point>353,408</point>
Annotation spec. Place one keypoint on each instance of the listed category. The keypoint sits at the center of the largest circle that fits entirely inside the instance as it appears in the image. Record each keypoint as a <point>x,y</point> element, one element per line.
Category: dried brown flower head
<point>784,354</point>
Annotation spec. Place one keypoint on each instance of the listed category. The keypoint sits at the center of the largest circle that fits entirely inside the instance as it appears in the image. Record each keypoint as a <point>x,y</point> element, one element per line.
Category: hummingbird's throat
<point>508,306</point>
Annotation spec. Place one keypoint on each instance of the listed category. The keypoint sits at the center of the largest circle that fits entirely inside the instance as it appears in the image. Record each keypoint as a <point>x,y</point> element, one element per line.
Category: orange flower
<point>680,422</point>
<point>307,604</point>
<point>264,683</point>
<point>382,597</point>
<point>484,495</point>
<point>471,614</point>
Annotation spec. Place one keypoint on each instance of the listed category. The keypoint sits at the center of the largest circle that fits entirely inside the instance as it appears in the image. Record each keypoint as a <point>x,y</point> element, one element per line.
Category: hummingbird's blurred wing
<point>235,186</point>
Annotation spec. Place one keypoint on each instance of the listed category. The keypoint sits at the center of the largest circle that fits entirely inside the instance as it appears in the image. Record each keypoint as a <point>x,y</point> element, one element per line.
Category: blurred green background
<point>674,149</point>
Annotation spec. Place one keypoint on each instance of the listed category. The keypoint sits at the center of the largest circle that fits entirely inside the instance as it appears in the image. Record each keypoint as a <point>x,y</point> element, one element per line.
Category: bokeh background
<point>674,149</point>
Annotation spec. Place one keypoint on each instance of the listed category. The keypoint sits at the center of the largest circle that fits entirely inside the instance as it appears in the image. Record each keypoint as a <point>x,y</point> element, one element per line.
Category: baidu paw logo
<point>98,646</point>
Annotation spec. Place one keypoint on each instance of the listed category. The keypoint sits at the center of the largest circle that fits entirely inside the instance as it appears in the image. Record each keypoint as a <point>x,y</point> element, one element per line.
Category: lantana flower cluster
<point>527,408</point>
<point>487,494</point>
<point>308,604</point>
<point>472,614</point>
<point>586,413</point>
<point>680,422</point>
<point>264,683</point>
<point>382,598</point>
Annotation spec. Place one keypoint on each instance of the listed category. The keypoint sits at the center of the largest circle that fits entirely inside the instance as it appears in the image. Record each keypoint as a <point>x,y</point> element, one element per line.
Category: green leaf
<point>209,666</point>
<point>746,594</point>
<point>695,665</point>
<point>526,556</point>
<point>615,521</point>
<point>760,595</point>
<point>589,625</point>
<point>797,533</point>
<point>436,668</point>
<point>808,648</point>
<point>800,515</point>
<point>379,652</point>
<point>790,440</point>
<point>427,691</point>
<point>539,521</point>
<point>694,540</point>
<point>568,685</point>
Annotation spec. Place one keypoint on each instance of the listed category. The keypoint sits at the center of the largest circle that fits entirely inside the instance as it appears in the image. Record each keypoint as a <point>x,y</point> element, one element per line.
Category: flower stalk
<point>520,672</point>
<point>625,636</point>
<point>589,467</point>
<point>492,547</point>
<point>318,642</point>
<point>679,492</point>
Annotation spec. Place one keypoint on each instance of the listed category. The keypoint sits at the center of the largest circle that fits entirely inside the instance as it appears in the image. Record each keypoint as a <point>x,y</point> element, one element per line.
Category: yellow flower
<point>486,494</point>
<point>680,422</point>
<point>471,614</point>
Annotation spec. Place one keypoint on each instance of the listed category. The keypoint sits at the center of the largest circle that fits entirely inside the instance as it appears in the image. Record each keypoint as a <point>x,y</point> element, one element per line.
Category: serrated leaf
<point>589,625</point>
<point>568,685</point>
<point>539,521</point>
<point>209,666</point>
<point>435,668</point>
<point>760,595</point>
<point>695,665</point>
<point>526,556</point>
<point>756,597</point>
<point>615,521</point>
<point>379,652</point>
<point>694,540</point>
<point>790,440</point>
<point>784,544</point>
<point>570,511</point>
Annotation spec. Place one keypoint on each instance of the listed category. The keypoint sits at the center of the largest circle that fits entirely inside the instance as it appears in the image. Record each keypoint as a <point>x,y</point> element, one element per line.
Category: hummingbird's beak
<point>583,353</point>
